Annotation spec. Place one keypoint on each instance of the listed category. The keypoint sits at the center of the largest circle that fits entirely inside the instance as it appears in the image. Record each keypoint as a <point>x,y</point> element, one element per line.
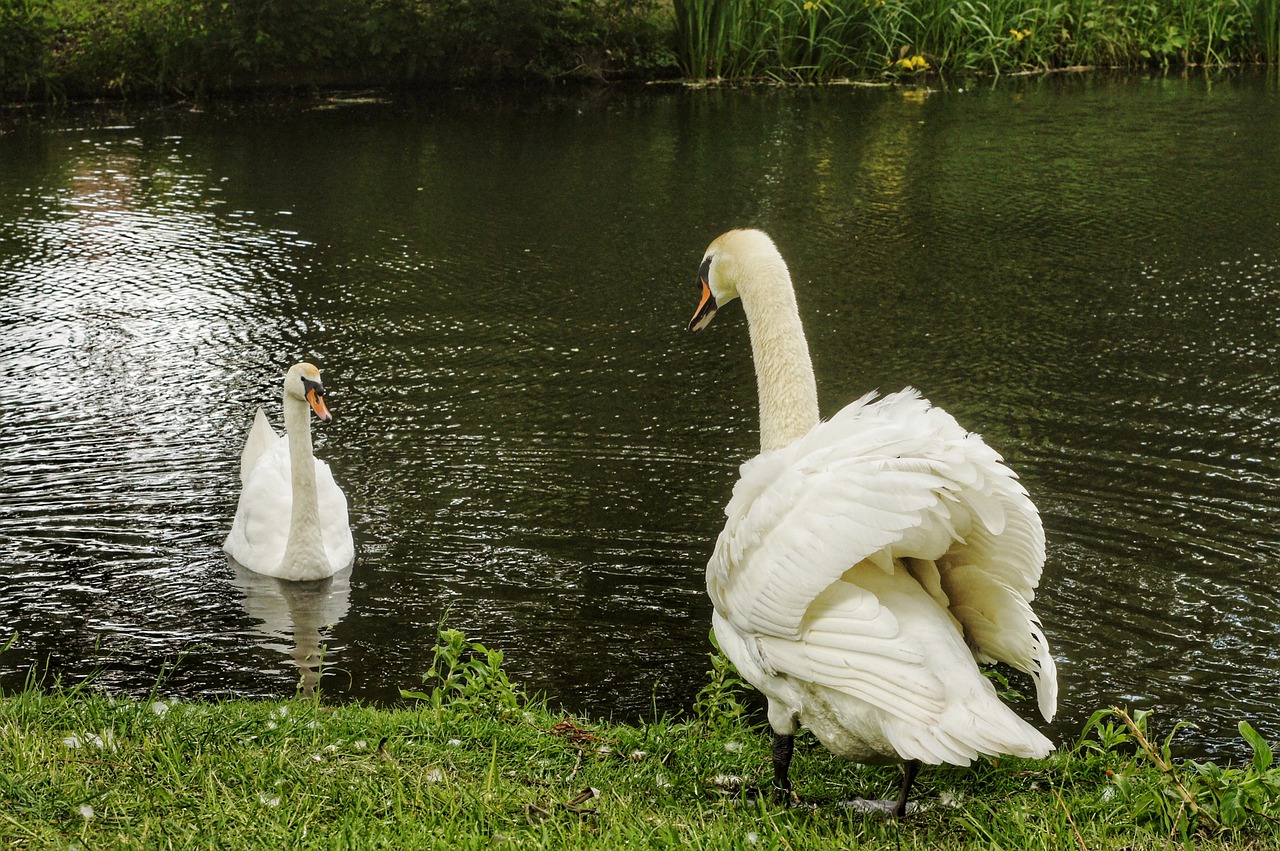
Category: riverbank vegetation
<point>65,49</point>
<point>822,39</point>
<point>79,48</point>
<point>470,761</point>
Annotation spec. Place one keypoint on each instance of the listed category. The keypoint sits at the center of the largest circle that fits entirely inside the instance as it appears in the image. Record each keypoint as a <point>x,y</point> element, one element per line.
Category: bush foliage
<point>76,48</point>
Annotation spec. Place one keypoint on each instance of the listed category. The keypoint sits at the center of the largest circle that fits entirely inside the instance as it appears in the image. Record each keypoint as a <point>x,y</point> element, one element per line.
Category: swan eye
<point>309,387</point>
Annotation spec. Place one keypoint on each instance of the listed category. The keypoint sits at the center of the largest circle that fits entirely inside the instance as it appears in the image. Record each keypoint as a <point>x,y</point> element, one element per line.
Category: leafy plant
<point>467,677</point>
<point>718,704</point>
<point>1166,44</point>
<point>72,48</point>
<point>819,39</point>
<point>1188,798</point>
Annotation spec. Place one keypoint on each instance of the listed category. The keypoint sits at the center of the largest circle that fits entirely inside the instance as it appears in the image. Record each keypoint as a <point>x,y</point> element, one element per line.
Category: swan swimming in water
<point>291,521</point>
<point>870,562</point>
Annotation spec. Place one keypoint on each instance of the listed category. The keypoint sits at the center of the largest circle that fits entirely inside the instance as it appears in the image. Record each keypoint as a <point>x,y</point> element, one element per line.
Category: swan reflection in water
<point>294,616</point>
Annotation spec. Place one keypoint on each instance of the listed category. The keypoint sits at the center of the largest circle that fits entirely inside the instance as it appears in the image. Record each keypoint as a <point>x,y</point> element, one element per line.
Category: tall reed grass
<point>719,38</point>
<point>817,39</point>
<point>1267,24</point>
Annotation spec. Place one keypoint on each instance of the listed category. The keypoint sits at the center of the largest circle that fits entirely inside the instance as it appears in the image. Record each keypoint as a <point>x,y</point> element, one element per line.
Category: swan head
<point>725,266</point>
<point>303,383</point>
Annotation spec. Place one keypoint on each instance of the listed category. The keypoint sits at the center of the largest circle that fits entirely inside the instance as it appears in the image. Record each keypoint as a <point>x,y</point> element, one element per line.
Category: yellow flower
<point>912,63</point>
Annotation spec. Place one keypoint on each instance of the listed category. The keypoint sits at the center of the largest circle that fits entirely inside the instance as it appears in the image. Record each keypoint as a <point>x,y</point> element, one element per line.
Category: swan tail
<point>975,721</point>
<point>962,734</point>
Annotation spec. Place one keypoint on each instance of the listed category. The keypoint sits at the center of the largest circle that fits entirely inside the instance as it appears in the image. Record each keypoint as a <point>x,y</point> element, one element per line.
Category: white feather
<point>262,438</point>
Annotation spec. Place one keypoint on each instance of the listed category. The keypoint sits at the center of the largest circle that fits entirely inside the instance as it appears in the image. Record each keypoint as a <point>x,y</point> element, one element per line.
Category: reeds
<point>719,38</point>
<point>821,39</point>
<point>1267,25</point>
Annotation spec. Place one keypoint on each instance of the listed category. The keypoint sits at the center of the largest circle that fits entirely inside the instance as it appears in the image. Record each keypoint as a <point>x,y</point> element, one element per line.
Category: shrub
<point>1185,798</point>
<point>25,28</point>
<point>467,678</point>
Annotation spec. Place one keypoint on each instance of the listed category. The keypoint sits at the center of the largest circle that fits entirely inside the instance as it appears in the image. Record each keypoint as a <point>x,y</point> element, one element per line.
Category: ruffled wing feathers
<point>893,482</point>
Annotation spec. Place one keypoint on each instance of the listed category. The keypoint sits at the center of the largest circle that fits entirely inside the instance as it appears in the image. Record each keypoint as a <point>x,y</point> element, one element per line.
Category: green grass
<point>474,763</point>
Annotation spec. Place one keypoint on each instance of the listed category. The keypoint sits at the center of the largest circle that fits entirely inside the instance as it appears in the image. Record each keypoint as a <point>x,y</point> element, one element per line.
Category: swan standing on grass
<point>869,562</point>
<point>291,522</point>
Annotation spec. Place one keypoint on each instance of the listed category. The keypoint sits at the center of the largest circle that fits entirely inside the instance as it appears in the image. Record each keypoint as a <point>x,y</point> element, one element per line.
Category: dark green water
<point>1083,270</point>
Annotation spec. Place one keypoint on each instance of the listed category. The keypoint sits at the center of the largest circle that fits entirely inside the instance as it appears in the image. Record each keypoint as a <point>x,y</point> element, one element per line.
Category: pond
<point>1085,270</point>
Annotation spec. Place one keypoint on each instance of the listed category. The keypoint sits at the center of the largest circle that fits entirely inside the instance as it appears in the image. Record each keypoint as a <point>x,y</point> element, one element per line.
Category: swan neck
<point>305,546</point>
<point>784,372</point>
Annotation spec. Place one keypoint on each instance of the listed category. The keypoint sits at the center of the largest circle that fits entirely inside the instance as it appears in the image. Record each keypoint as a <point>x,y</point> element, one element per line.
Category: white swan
<point>291,521</point>
<point>869,562</point>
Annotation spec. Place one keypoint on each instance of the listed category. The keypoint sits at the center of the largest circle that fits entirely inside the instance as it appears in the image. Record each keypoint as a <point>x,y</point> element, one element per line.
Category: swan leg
<point>783,747</point>
<point>910,769</point>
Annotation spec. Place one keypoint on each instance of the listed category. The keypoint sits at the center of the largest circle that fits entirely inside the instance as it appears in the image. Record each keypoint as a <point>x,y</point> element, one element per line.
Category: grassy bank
<point>66,49</point>
<point>470,762</point>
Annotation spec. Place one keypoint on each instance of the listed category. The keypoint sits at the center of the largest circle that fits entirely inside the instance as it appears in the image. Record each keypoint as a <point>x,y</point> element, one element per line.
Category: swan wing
<point>988,582</point>
<point>262,438</point>
<point>859,640</point>
<point>335,528</point>
<point>260,531</point>
<point>849,490</point>
<point>889,482</point>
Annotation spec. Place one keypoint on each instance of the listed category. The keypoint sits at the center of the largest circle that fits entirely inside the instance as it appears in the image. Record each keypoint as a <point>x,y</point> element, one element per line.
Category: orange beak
<point>317,405</point>
<point>706,308</point>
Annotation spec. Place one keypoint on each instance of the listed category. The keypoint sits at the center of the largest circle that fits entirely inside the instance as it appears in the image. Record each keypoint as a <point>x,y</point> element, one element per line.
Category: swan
<point>870,562</point>
<point>291,521</point>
